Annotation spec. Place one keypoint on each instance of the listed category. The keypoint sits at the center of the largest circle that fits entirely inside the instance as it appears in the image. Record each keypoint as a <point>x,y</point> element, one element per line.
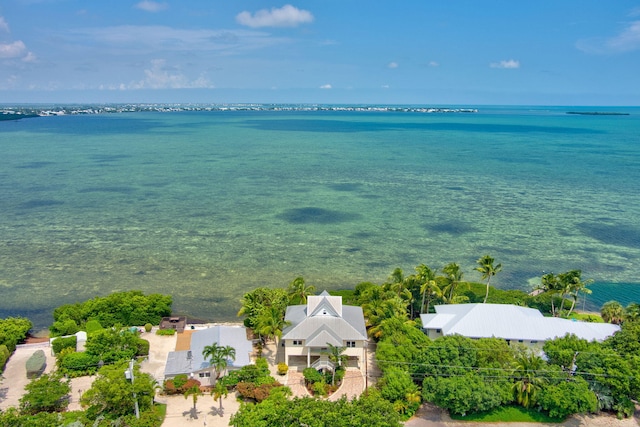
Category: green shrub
<point>231,380</point>
<point>319,388</point>
<point>13,330</point>
<point>166,332</point>
<point>4,356</point>
<point>93,325</point>
<point>142,347</point>
<point>180,380</point>
<point>77,364</point>
<point>312,376</point>
<point>63,327</point>
<point>60,344</point>
<point>36,364</point>
<point>148,327</point>
<point>283,369</point>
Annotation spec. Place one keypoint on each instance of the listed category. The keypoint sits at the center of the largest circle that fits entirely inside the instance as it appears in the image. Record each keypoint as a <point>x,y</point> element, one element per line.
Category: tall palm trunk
<point>486,294</point>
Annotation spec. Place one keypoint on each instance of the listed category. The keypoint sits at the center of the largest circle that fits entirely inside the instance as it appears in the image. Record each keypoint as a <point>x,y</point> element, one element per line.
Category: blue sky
<point>542,52</point>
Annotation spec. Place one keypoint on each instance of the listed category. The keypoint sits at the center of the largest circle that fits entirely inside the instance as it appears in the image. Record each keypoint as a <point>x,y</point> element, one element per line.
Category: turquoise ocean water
<point>208,205</point>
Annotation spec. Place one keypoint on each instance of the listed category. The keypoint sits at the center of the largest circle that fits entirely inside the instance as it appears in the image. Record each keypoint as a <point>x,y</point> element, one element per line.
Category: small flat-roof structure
<point>510,322</point>
<point>192,362</point>
<point>174,322</point>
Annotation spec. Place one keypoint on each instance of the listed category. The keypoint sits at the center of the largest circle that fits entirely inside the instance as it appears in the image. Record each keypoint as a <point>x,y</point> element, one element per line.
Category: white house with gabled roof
<point>321,321</point>
<point>509,322</point>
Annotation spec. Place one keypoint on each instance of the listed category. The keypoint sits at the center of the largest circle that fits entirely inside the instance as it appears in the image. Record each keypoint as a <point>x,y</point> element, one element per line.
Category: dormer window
<point>324,312</point>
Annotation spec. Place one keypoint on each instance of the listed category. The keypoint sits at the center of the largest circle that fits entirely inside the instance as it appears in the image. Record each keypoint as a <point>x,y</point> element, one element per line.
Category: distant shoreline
<point>16,116</point>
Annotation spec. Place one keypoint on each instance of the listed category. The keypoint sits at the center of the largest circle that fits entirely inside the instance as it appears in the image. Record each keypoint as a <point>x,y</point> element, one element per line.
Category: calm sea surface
<point>208,205</point>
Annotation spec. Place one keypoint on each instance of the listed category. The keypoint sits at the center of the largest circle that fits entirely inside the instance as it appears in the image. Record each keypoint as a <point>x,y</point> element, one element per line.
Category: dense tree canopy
<point>49,393</point>
<point>13,330</point>
<point>369,410</point>
<point>130,308</point>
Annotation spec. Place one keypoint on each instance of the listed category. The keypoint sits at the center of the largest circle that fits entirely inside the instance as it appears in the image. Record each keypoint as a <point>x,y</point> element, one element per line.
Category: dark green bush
<point>143,347</point>
<point>36,364</point>
<point>311,375</point>
<point>78,364</point>
<point>63,327</point>
<point>61,343</point>
<point>4,356</point>
<point>13,330</point>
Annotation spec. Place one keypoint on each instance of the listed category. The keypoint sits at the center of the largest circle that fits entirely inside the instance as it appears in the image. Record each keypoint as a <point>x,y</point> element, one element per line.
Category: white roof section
<point>324,320</point>
<point>510,322</point>
<point>188,361</point>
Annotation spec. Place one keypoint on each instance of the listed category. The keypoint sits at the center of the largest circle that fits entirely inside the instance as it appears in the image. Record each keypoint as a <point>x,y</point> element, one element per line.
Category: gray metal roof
<point>325,318</point>
<point>509,322</point>
<point>188,361</point>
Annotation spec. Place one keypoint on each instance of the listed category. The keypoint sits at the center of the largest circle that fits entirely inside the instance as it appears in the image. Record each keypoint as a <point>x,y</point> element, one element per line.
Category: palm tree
<point>454,277</point>
<point>427,277</point>
<point>527,382</point>
<point>381,310</point>
<point>488,270</point>
<point>337,356</point>
<point>194,392</point>
<point>270,323</point>
<point>229,354</point>
<point>550,285</point>
<point>298,291</point>
<point>219,391</point>
<point>577,285</point>
<point>612,312</point>
<point>210,350</point>
<point>219,356</point>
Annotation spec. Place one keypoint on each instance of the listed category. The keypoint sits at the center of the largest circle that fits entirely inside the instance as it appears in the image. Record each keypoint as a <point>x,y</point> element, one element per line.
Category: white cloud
<point>140,40</point>
<point>327,86</point>
<point>434,64</point>
<point>29,57</point>
<point>12,50</point>
<point>160,76</point>
<point>392,65</point>
<point>385,86</point>
<point>626,41</point>
<point>3,25</point>
<point>151,6</point>
<point>509,64</point>
<point>286,16</point>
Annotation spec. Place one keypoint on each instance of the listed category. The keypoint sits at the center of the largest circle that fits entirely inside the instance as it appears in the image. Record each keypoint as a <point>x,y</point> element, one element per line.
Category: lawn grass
<point>161,410</point>
<point>509,414</point>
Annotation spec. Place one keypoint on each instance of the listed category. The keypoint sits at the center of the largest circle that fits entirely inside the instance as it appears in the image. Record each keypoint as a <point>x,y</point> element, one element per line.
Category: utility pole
<point>128,374</point>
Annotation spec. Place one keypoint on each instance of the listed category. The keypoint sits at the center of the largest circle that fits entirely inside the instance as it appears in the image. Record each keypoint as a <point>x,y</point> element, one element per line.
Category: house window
<point>520,341</point>
<point>351,344</point>
<point>438,331</point>
<point>204,374</point>
<point>534,342</point>
<point>297,342</point>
